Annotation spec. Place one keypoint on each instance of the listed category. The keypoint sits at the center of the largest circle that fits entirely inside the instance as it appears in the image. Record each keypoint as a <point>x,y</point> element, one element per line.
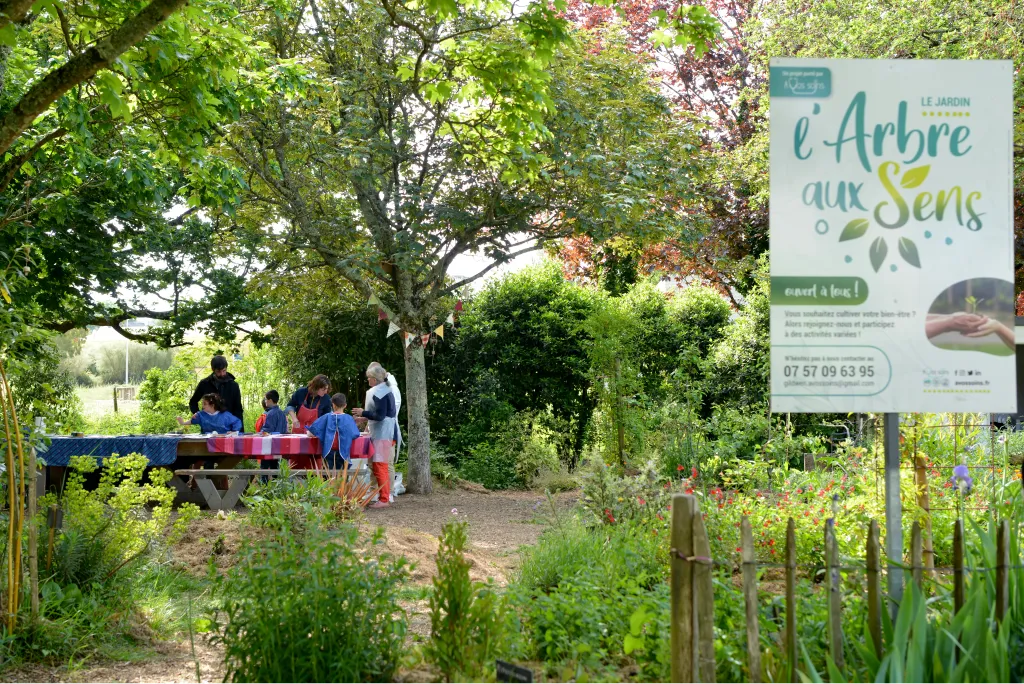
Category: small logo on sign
<point>800,82</point>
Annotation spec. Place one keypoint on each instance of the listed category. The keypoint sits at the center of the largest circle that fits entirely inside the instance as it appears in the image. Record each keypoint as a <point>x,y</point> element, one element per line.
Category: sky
<point>463,266</point>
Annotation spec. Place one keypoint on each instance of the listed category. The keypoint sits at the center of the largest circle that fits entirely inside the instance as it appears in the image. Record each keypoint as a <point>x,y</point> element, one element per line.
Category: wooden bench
<point>238,481</point>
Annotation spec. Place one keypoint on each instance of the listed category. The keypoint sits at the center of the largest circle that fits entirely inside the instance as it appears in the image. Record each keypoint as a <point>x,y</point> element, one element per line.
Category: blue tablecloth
<point>159,449</point>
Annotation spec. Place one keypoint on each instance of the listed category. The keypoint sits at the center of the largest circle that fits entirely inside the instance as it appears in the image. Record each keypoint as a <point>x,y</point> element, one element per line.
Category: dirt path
<point>500,523</point>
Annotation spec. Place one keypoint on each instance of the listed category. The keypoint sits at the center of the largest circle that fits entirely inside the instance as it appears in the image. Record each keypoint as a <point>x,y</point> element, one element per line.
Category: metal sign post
<point>893,511</point>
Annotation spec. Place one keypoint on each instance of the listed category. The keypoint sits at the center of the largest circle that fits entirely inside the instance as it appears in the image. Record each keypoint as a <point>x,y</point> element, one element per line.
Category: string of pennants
<point>384,314</point>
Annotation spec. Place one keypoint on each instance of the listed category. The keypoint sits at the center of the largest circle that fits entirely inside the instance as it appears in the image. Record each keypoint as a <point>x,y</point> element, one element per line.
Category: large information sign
<point>892,236</point>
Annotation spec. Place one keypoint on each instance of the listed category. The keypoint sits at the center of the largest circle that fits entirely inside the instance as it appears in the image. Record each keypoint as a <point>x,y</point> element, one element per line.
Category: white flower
<point>455,511</point>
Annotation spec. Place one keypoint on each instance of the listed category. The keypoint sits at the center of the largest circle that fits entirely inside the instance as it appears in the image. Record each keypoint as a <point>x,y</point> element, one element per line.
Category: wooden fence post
<point>835,598</point>
<point>684,637</point>
<point>115,400</point>
<point>750,599</point>
<point>874,567</point>
<point>915,554</point>
<point>958,566</point>
<point>33,536</point>
<point>791,599</point>
<point>703,597</point>
<point>1002,567</point>
<point>924,502</point>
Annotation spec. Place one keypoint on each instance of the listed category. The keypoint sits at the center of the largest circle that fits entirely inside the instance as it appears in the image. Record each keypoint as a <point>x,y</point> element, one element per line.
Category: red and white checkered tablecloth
<point>261,447</point>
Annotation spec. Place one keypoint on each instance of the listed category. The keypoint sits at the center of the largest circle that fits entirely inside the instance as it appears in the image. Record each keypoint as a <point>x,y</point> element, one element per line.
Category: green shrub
<point>465,616</point>
<point>105,577</point>
<point>441,467</point>
<point>291,505</point>
<point>116,526</point>
<point>312,609</point>
<point>120,423</point>
<point>513,455</point>
<point>577,589</point>
<point>610,499</point>
<point>163,397</point>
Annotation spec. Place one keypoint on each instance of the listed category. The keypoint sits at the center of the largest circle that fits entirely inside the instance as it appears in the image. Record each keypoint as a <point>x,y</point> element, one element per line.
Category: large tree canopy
<point>105,131</point>
<point>395,138</point>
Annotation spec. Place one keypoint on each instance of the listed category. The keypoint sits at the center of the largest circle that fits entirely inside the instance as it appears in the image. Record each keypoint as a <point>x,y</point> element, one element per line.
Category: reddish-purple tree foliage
<point>720,89</point>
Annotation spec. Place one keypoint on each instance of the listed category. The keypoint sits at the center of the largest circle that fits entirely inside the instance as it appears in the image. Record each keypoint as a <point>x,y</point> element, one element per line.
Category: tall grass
<point>313,609</point>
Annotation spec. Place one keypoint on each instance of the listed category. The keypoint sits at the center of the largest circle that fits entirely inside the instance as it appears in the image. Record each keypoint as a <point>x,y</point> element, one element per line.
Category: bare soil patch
<point>171,662</point>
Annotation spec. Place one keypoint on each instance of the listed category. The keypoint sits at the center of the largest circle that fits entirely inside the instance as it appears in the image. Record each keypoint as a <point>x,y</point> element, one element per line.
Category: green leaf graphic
<point>915,176</point>
<point>908,250</point>
<point>854,229</point>
<point>877,253</point>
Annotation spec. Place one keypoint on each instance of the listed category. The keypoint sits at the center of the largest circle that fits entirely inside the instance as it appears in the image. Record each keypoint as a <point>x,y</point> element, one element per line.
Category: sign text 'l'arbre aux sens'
<point>892,236</point>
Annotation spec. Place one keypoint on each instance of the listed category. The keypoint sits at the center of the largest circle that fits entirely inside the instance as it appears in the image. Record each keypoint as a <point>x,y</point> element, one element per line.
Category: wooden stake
<point>958,566</point>
<point>791,599</point>
<point>1002,566</point>
<point>924,502</point>
<point>750,599</point>
<point>115,400</point>
<point>916,545</point>
<point>684,637</point>
<point>874,566</point>
<point>33,537</point>
<point>51,521</point>
<point>703,597</point>
<point>619,427</point>
<point>835,597</point>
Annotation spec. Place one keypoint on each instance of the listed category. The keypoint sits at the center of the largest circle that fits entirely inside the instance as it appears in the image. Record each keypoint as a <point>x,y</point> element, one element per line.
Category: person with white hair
<point>393,384</point>
<point>382,416</point>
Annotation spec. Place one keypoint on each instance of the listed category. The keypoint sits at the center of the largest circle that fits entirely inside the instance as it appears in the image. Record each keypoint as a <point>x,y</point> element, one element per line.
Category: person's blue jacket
<point>275,421</point>
<point>222,421</point>
<point>340,424</point>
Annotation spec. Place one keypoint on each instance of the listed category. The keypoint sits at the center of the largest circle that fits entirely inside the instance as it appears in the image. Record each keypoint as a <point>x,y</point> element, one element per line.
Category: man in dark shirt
<point>219,382</point>
<point>223,383</point>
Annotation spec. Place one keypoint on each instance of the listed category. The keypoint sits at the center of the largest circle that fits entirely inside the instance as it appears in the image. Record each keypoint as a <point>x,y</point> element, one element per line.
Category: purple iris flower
<point>962,479</point>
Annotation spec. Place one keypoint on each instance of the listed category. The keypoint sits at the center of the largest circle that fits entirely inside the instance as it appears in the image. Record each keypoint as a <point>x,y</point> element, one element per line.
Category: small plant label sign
<point>507,672</point>
<point>891,236</point>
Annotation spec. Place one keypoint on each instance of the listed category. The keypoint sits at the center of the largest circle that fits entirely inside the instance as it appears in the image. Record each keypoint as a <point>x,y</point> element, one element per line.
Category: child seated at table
<point>336,432</point>
<point>212,417</point>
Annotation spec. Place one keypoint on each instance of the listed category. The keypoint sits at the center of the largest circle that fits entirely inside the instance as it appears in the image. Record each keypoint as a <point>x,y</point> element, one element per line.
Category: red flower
<point>689,490</point>
<point>642,502</point>
<point>693,473</point>
<point>800,490</point>
<point>679,467</point>
<point>738,549</point>
<point>659,516</point>
<point>773,552</point>
<point>771,542</point>
<point>608,514</point>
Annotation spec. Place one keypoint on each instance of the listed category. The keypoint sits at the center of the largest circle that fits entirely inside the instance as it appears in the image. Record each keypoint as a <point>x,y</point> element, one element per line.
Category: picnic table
<point>187,452</point>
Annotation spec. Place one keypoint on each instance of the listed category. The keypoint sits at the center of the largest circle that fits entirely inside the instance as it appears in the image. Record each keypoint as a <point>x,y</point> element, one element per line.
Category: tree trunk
<point>415,400</point>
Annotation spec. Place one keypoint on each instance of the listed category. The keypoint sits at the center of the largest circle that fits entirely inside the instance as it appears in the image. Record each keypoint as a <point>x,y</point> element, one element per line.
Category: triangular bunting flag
<point>381,316</point>
<point>450,320</point>
<point>392,328</point>
<point>439,331</point>
<point>458,305</point>
<point>373,300</point>
<point>406,337</point>
<point>424,338</point>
